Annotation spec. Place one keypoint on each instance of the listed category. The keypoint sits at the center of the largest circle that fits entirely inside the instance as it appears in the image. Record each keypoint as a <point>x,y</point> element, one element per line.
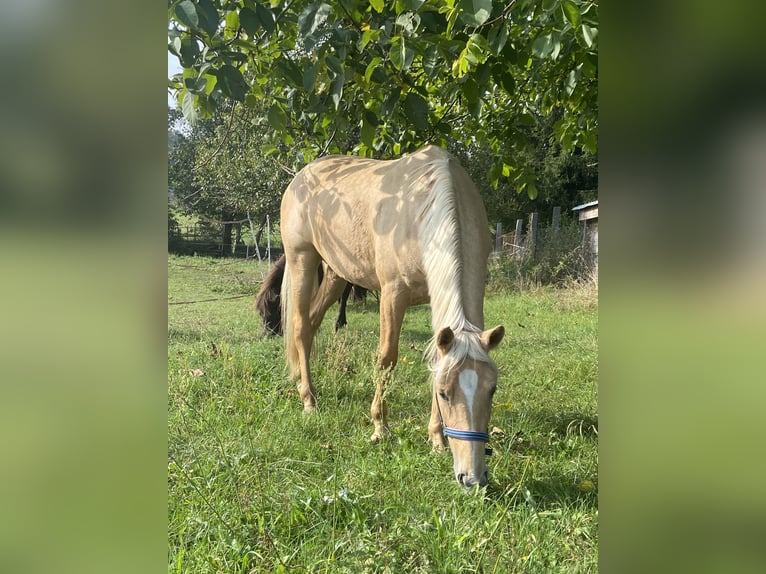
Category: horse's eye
<point>443,394</point>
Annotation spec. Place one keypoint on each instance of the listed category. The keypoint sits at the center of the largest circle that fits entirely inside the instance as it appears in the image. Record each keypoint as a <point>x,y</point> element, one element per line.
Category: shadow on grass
<point>546,488</point>
<point>555,491</point>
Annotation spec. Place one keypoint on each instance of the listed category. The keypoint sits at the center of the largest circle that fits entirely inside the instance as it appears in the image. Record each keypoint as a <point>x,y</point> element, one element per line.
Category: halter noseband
<point>463,434</point>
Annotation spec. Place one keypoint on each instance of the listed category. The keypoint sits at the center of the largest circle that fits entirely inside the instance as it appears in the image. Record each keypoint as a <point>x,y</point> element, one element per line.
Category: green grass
<point>256,486</point>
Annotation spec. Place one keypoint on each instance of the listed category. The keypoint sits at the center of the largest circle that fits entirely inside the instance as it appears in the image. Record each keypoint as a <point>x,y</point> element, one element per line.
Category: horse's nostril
<point>468,482</point>
<point>461,478</point>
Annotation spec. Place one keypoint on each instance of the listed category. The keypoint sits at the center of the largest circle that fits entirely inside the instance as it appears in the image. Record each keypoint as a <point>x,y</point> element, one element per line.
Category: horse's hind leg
<point>341,320</point>
<point>302,267</point>
<point>329,291</point>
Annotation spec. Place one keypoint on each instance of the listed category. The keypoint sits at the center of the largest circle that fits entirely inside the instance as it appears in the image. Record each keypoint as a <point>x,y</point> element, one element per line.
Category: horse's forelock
<point>465,345</point>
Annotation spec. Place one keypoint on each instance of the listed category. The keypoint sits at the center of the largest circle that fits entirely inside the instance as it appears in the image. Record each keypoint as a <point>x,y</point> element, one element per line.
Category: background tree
<point>398,74</point>
<point>216,171</point>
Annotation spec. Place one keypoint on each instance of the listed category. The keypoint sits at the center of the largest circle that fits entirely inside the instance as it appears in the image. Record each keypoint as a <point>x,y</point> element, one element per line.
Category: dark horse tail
<point>267,303</point>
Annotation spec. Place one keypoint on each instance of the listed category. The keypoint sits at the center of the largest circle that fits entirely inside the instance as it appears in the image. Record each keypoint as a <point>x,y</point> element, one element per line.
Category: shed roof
<point>584,205</point>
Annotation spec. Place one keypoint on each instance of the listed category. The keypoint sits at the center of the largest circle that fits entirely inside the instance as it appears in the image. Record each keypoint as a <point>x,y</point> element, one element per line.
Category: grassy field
<point>256,486</point>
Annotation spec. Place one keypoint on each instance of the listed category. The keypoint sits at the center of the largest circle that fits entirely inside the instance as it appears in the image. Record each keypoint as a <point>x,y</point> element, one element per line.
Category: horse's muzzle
<point>469,481</point>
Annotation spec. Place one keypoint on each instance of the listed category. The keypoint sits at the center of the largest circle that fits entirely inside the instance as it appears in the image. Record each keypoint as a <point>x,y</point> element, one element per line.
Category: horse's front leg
<point>435,432</point>
<point>393,303</point>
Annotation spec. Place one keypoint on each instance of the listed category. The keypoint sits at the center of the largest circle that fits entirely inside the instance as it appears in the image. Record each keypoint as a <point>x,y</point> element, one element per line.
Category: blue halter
<point>462,434</point>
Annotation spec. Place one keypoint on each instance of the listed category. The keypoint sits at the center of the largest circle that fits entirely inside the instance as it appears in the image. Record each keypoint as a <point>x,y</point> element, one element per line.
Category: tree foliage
<point>217,171</point>
<point>386,77</point>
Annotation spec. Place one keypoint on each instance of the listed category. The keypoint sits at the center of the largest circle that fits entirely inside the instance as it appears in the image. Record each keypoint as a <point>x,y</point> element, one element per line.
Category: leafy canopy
<point>391,76</point>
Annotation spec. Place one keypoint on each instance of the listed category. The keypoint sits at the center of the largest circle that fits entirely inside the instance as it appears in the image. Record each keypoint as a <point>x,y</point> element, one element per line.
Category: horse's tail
<point>288,326</point>
<point>267,303</point>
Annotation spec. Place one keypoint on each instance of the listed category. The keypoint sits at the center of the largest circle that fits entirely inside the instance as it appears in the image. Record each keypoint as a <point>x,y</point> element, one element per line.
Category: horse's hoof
<point>379,436</point>
<point>308,409</point>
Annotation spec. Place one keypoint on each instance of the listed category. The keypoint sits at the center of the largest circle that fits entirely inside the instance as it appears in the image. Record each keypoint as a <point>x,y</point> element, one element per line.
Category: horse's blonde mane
<point>440,243</point>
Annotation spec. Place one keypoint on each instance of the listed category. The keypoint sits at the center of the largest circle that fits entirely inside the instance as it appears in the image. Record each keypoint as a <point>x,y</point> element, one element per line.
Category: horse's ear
<point>444,339</point>
<point>491,339</point>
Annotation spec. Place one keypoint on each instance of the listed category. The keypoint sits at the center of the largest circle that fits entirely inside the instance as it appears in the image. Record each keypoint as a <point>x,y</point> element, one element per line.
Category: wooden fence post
<point>533,233</point>
<point>556,221</point>
<point>499,238</point>
<point>518,237</point>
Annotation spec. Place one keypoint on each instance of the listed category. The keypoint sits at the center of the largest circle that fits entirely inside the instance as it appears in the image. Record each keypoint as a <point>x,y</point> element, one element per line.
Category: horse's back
<point>364,216</point>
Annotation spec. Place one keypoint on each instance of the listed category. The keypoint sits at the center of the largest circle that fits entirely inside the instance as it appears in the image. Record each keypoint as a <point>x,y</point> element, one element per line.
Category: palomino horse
<point>416,230</point>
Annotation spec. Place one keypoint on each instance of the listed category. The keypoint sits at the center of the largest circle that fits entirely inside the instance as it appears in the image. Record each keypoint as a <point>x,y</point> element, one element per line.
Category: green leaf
<point>542,46</point>
<point>368,36</point>
<point>531,190</point>
<point>208,17</point>
<point>482,74</point>
<point>174,46</point>
<point>371,68</point>
<point>309,78</point>
<point>494,174</point>
<point>335,65</point>
<point>189,51</point>
<point>186,13</point>
<point>571,12</point>
<point>390,102</point>
<point>377,5</point>
<point>367,133</point>
<point>401,54</point>
<point>571,82</point>
<point>556,39</point>
<point>266,18</point>
<point>196,85</point>
<point>497,38</point>
<point>589,35</point>
<point>187,106</point>
<point>313,17</point>
<point>291,72</point>
<point>336,90</point>
<point>431,61</point>
<point>232,83</point>
<point>475,107</point>
<point>504,77</point>
<point>232,25</point>
<point>249,21</point>
<point>371,118</point>
<point>409,22</point>
<point>470,90</point>
<point>416,110</point>
<point>475,12</point>
<point>277,117</point>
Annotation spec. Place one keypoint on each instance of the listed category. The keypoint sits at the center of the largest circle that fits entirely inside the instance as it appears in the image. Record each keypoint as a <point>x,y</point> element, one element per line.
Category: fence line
<point>209,300</point>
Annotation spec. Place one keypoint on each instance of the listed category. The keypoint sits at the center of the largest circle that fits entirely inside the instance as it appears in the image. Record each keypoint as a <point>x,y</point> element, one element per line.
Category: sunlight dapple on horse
<point>416,230</point>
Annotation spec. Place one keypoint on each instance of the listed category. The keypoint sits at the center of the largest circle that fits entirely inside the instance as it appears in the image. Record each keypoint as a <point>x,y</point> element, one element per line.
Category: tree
<point>398,74</point>
<point>564,179</point>
<point>217,171</point>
